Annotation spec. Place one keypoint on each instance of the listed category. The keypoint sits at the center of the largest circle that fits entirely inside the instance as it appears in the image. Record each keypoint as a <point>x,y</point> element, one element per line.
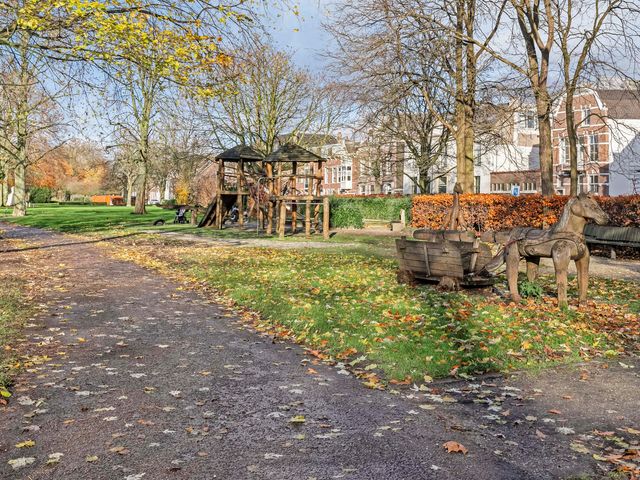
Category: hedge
<point>495,212</point>
<point>40,195</point>
<point>351,211</point>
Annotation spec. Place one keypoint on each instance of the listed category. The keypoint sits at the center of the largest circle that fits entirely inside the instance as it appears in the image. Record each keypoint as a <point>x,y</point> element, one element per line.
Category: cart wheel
<point>449,284</point>
<point>406,277</point>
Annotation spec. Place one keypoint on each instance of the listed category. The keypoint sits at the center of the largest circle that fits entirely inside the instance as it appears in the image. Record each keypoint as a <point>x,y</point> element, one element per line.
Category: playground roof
<point>290,152</point>
<point>240,152</point>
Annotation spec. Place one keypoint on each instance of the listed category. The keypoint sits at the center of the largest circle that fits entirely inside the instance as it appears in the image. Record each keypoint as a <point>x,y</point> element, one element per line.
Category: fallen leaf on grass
<point>455,447</point>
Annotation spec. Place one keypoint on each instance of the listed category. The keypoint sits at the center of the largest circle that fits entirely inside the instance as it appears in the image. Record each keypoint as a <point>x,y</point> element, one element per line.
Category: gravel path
<point>145,380</point>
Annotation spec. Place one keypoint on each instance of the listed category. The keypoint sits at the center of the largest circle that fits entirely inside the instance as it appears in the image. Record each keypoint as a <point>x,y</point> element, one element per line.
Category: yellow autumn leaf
<point>26,444</point>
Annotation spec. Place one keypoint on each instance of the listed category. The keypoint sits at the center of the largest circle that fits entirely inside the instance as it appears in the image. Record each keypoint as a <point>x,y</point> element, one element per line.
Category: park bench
<point>612,236</point>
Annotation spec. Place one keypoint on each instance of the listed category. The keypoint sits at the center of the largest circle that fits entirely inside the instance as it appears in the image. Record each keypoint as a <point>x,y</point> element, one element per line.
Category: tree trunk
<point>22,133</point>
<point>543,107</point>
<point>460,97</point>
<point>20,189</point>
<point>129,189</point>
<point>573,141</point>
<point>141,190</point>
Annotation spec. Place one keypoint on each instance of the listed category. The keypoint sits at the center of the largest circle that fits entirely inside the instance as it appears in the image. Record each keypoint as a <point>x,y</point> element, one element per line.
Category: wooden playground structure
<point>284,187</point>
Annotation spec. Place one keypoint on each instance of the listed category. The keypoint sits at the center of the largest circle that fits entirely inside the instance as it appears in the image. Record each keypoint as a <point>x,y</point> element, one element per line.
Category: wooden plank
<point>436,268</point>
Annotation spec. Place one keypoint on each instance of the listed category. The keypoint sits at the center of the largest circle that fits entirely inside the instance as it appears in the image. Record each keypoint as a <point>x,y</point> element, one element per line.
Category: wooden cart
<point>448,257</point>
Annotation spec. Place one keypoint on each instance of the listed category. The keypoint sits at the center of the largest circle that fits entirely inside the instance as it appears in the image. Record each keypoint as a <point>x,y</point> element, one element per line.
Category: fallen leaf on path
<point>26,444</point>
<point>272,456</point>
<point>120,450</point>
<point>578,447</point>
<point>565,430</point>
<point>54,458</point>
<point>297,419</point>
<point>540,435</point>
<point>555,412</point>
<point>91,458</point>
<point>455,447</point>
<point>21,462</point>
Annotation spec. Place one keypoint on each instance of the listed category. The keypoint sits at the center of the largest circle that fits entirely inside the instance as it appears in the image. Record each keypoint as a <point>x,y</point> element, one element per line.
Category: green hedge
<point>350,212</point>
<point>40,195</point>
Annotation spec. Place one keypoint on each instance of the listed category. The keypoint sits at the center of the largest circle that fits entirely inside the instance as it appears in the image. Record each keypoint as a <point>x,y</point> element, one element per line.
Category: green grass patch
<point>86,219</point>
<point>350,304</point>
<point>14,311</point>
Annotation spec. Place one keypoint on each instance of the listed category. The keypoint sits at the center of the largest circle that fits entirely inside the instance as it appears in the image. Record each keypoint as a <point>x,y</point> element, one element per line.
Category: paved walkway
<point>146,380</point>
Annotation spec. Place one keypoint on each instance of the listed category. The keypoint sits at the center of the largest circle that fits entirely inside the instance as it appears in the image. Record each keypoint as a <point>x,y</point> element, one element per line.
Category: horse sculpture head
<point>585,206</point>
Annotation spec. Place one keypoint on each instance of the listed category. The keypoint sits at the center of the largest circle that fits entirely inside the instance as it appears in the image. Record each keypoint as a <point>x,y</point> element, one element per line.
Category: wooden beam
<point>307,219</point>
<point>325,218</point>
<point>283,219</point>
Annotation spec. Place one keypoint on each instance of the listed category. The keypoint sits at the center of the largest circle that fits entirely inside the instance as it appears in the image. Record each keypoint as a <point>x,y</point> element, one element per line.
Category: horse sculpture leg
<point>582,267</point>
<point>513,261</point>
<point>532,268</point>
<point>561,254</point>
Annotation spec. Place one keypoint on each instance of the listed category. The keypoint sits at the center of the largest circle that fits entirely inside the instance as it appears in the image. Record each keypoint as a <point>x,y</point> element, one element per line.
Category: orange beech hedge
<point>499,212</point>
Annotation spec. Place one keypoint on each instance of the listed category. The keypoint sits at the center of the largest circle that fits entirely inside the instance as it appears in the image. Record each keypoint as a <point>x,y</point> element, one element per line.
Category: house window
<point>528,120</point>
<point>593,183</point>
<point>348,173</point>
<point>564,150</point>
<point>326,175</point>
<point>477,183</point>
<point>586,116</point>
<point>362,190</point>
<point>583,149</point>
<point>594,154</point>
<point>442,185</point>
<point>581,183</point>
<point>477,154</point>
<point>386,188</point>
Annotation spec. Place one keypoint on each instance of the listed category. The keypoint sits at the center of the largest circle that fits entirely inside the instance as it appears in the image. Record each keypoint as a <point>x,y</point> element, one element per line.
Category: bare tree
<point>395,56</point>
<point>270,97</point>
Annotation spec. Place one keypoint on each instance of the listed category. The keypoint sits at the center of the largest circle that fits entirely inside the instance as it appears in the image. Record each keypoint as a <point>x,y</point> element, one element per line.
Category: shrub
<point>530,290</point>
<point>40,195</point>
<point>350,211</point>
<point>498,212</point>
<point>347,216</point>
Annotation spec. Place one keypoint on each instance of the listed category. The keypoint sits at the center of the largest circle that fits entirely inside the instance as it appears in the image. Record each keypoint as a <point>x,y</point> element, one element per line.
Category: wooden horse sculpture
<point>563,242</point>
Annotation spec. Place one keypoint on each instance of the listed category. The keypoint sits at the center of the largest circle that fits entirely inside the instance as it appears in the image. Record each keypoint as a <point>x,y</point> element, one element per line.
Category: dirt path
<point>146,380</point>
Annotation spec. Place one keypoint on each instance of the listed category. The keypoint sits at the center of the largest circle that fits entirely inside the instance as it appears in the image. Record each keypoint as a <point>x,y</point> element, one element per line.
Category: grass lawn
<point>13,313</point>
<point>347,306</point>
<point>103,220</point>
<point>87,218</point>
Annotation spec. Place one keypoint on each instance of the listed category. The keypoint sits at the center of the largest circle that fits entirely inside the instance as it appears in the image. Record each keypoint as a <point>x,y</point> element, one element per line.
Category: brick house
<point>608,130</point>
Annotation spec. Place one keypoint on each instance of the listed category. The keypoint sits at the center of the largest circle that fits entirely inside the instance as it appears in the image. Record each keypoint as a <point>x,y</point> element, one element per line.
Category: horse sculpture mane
<point>563,221</point>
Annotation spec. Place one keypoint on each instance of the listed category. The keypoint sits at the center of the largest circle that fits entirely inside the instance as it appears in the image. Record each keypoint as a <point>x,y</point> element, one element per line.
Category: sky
<point>303,34</point>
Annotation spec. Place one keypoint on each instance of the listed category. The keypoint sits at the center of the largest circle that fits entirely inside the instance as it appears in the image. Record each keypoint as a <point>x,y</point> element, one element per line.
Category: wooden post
<point>325,218</point>
<point>240,185</point>
<point>307,219</point>
<point>269,169</point>
<point>219,204</point>
<point>282,220</point>
<point>294,205</point>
